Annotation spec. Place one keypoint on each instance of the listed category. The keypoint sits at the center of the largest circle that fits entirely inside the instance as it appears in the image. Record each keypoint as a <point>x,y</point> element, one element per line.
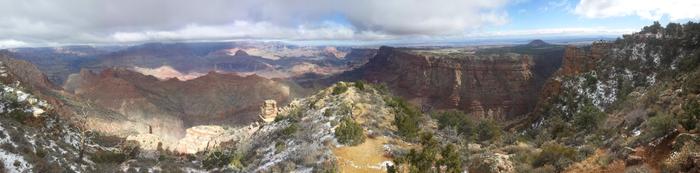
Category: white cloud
<point>647,9</point>
<point>76,21</point>
<point>435,17</point>
<point>11,44</point>
<point>583,31</point>
<point>243,29</point>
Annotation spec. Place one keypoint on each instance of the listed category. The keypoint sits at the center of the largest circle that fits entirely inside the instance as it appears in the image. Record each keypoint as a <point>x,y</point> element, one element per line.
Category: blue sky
<point>65,22</point>
<point>538,14</point>
<point>561,15</point>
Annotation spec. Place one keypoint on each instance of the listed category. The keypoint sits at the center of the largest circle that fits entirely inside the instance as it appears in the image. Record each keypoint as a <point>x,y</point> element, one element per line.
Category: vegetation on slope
<point>349,132</point>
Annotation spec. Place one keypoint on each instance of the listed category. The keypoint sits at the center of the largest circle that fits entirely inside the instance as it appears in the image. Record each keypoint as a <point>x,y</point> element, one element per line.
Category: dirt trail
<point>366,157</point>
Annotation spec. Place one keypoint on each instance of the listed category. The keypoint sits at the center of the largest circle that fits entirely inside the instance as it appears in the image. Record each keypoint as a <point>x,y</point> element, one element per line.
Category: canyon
<point>486,85</point>
<point>170,106</point>
<point>126,93</point>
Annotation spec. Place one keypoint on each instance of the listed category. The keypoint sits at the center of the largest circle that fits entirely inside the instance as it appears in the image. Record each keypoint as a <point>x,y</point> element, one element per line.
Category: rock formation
<point>201,138</point>
<point>268,111</point>
<point>489,86</point>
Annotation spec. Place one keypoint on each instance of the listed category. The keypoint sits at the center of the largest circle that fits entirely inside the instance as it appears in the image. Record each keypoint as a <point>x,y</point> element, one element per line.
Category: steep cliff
<point>493,85</point>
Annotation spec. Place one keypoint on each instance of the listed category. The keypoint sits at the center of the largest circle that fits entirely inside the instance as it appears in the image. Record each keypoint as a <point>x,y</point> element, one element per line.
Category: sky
<point>31,23</point>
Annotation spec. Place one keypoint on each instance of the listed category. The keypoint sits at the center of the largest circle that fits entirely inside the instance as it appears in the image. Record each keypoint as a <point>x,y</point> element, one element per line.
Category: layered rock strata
<point>487,86</point>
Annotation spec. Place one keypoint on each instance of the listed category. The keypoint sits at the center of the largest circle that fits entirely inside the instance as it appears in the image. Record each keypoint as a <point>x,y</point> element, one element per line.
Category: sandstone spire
<point>268,111</point>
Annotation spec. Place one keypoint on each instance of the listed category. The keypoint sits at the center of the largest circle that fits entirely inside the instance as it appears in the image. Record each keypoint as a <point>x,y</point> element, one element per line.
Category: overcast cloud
<point>87,21</point>
<point>61,22</point>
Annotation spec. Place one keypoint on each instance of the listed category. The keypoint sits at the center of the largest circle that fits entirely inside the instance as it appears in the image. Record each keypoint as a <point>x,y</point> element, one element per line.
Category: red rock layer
<point>491,86</point>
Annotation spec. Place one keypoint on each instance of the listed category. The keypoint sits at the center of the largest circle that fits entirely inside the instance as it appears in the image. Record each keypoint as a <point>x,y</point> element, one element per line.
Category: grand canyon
<point>278,87</point>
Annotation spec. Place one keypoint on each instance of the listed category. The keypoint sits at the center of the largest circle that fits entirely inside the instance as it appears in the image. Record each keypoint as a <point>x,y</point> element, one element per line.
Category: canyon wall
<point>486,86</point>
<point>210,99</point>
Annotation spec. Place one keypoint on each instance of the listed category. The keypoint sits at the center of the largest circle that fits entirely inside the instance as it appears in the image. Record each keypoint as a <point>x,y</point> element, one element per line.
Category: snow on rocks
<point>14,162</point>
<point>37,107</point>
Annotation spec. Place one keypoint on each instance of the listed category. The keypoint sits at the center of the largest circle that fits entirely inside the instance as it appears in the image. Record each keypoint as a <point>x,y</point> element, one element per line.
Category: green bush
<point>557,155</point>
<point>216,159</point>
<point>590,81</point>
<point>20,115</point>
<point>103,156</point>
<point>236,160</point>
<point>589,118</point>
<point>488,130</point>
<point>293,115</point>
<point>457,120</point>
<point>431,156</point>
<point>660,125</point>
<point>339,89</point>
<point>691,116</point>
<point>280,146</point>
<point>290,130</point>
<point>689,63</point>
<point>219,159</point>
<point>558,128</point>
<point>327,113</point>
<point>406,117</point>
<point>360,85</point>
<point>451,159</point>
<point>344,109</point>
<point>349,132</point>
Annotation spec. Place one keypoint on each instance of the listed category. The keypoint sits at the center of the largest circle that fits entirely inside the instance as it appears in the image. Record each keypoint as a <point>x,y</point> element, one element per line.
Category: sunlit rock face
<point>167,72</point>
<point>268,111</point>
<point>200,138</point>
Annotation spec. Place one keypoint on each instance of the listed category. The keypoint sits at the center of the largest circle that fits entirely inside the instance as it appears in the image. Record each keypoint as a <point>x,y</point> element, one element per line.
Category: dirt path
<point>366,157</point>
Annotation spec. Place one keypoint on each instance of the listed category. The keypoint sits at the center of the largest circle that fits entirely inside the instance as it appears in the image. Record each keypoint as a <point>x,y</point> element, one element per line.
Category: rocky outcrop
<point>200,138</point>
<point>204,138</point>
<point>578,60</point>
<point>197,139</point>
<point>487,86</point>
<point>268,111</point>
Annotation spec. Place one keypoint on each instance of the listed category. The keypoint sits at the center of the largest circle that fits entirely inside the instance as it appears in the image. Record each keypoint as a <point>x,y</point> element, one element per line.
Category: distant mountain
<point>271,60</point>
<point>537,43</point>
